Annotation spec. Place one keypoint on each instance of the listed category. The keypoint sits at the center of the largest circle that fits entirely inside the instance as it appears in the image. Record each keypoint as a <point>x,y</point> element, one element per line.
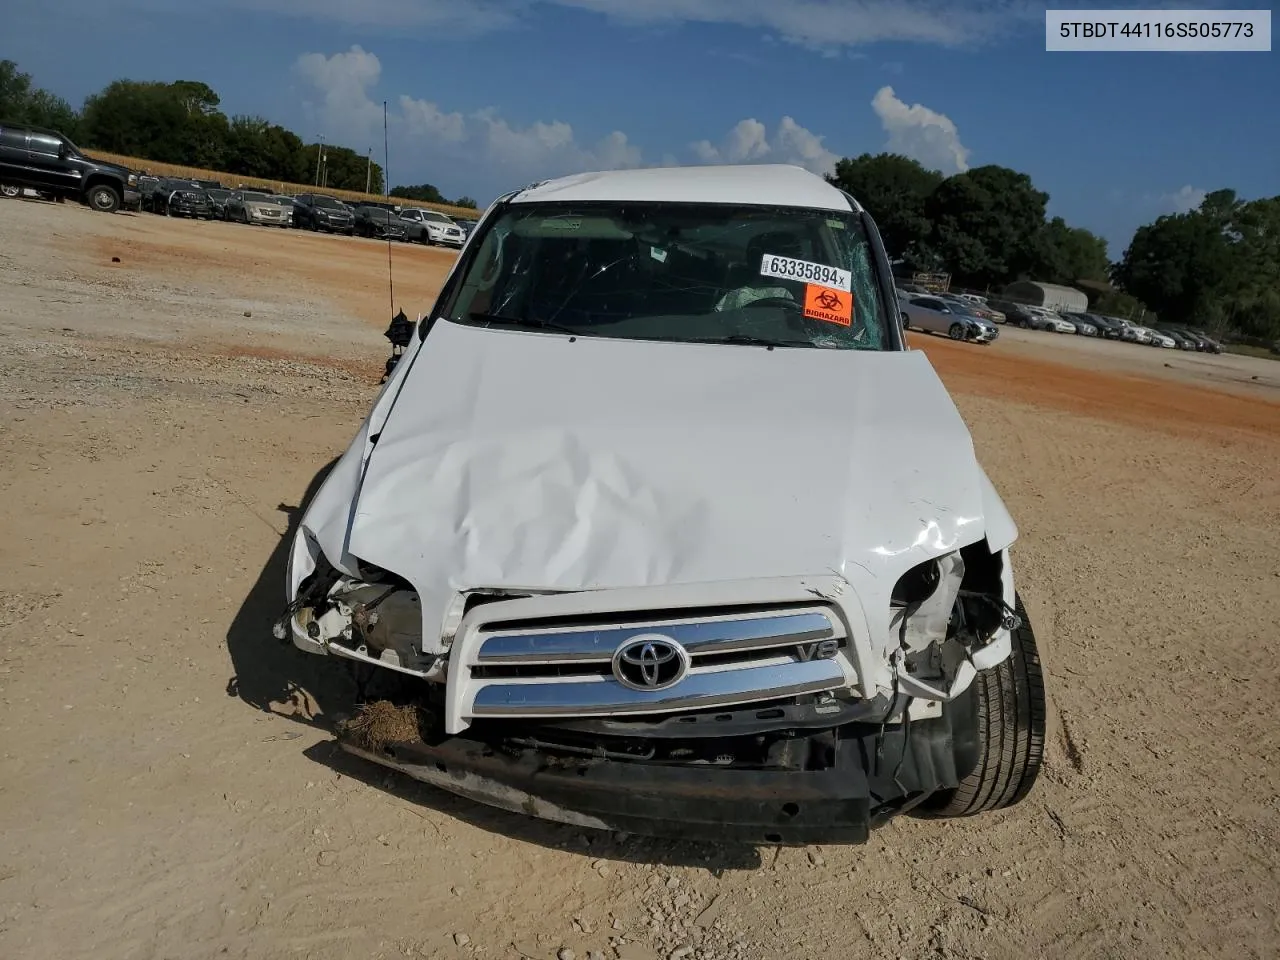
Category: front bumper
<point>269,221</point>
<point>867,777</point>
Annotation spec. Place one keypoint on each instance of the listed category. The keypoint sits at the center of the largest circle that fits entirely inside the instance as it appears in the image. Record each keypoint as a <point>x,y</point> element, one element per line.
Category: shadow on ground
<point>278,678</point>
<point>591,844</point>
<point>275,676</point>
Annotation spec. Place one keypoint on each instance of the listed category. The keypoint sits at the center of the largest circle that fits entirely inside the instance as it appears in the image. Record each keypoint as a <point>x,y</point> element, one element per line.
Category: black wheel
<point>1008,706</point>
<point>103,199</point>
<point>956,331</point>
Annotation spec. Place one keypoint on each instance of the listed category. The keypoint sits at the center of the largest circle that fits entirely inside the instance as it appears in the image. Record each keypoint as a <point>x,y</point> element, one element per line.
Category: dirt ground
<point>168,784</point>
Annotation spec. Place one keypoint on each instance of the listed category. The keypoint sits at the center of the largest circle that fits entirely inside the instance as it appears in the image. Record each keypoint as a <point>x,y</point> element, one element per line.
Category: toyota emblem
<point>650,662</point>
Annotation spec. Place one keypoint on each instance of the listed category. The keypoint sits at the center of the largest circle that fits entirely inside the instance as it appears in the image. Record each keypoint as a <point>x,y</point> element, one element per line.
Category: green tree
<point>343,169</point>
<point>466,202</point>
<point>1068,254</point>
<point>21,102</point>
<point>1181,265</point>
<point>138,119</point>
<point>987,225</point>
<point>422,192</point>
<point>894,189</point>
<point>196,97</point>
<point>257,148</point>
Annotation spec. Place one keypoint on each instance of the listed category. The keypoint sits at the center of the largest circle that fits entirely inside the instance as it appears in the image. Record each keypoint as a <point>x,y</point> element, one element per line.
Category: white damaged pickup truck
<point>660,528</point>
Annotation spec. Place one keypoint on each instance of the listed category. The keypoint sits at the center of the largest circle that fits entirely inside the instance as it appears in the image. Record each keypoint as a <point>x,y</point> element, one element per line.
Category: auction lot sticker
<point>786,268</point>
<point>828,303</point>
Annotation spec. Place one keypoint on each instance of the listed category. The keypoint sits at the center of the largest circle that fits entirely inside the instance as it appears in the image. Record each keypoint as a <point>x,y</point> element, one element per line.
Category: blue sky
<point>486,95</point>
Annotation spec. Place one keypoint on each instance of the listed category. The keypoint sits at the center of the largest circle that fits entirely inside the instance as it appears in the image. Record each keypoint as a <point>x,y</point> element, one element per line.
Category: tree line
<point>181,123</point>
<point>1214,266</point>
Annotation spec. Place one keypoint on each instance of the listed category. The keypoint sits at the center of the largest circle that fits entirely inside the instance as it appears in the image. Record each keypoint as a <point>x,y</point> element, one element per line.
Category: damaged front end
<point>759,712</point>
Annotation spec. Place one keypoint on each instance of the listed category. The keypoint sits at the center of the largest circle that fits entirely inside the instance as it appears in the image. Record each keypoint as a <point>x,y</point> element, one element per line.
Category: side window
<point>44,144</point>
<point>13,138</point>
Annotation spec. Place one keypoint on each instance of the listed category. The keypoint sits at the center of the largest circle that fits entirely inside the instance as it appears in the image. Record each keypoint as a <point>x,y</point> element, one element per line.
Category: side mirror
<point>905,320</point>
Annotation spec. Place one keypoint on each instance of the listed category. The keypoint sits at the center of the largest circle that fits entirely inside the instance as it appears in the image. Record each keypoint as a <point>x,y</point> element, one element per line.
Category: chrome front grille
<point>571,671</point>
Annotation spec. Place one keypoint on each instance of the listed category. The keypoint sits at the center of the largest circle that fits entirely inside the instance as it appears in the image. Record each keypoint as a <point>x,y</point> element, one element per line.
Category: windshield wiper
<point>751,341</point>
<point>524,322</point>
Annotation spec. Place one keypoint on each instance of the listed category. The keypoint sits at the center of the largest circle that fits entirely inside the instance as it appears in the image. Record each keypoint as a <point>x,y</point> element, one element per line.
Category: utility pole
<point>368,177</point>
<point>319,153</point>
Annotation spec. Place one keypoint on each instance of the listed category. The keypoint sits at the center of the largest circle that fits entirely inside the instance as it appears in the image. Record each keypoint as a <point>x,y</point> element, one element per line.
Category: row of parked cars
<point>973,317</point>
<point>211,200</point>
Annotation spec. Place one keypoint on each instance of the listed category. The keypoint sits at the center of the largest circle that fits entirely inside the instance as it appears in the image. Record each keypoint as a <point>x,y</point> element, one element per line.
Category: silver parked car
<point>248,206</point>
<point>1084,327</point>
<point>954,319</point>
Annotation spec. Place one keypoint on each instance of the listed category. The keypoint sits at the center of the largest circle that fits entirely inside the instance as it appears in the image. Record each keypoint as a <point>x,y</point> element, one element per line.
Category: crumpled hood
<point>524,461</point>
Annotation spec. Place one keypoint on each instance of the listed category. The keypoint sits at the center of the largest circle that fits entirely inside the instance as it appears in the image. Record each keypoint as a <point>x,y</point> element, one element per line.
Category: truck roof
<point>772,184</point>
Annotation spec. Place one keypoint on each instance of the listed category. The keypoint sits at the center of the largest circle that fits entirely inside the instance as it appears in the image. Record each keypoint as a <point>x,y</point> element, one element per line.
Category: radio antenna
<point>386,192</point>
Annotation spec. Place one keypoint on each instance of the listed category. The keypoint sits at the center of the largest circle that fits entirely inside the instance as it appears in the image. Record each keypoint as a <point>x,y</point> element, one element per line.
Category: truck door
<point>13,156</point>
<point>53,163</point>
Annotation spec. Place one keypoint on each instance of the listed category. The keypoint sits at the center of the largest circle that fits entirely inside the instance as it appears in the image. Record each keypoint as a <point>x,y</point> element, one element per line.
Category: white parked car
<point>1158,339</point>
<point>658,527</point>
<point>941,316</point>
<point>1052,321</point>
<point>431,227</point>
<point>1135,334</point>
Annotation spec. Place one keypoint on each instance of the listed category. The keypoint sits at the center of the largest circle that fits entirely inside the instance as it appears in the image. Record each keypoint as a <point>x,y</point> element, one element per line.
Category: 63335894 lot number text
<point>787,268</point>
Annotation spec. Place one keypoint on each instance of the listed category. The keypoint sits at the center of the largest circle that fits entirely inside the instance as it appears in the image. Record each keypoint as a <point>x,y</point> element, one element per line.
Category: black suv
<point>47,161</point>
<point>190,202</point>
<point>380,224</point>
<point>314,211</point>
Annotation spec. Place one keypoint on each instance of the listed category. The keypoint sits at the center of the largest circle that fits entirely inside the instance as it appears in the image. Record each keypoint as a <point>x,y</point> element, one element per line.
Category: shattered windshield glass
<point>785,276</point>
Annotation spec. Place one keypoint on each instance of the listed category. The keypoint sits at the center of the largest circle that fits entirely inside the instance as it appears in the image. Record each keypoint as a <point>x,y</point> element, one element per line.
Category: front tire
<point>103,199</point>
<point>956,332</point>
<point>1010,710</point>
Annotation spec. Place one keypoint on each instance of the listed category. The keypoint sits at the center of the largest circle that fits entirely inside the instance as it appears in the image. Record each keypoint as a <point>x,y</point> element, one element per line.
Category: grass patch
<point>381,723</point>
<point>1245,350</point>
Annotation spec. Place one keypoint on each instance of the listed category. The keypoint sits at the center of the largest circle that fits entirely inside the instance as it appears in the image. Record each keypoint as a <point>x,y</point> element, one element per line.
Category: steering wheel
<point>773,302</point>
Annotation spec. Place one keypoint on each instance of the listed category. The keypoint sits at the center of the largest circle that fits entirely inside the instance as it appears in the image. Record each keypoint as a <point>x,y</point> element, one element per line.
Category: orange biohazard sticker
<point>828,303</point>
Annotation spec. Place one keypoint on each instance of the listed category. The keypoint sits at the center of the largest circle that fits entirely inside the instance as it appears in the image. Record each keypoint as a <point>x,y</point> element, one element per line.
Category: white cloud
<point>346,111</point>
<point>1184,199</point>
<point>823,25</point>
<point>749,142</point>
<point>920,133</point>
<point>456,16</point>
<point>483,146</point>
<point>830,24</point>
<point>343,82</point>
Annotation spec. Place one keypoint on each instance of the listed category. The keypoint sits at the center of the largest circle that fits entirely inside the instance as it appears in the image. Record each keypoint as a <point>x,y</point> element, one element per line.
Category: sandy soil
<point>168,787</point>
